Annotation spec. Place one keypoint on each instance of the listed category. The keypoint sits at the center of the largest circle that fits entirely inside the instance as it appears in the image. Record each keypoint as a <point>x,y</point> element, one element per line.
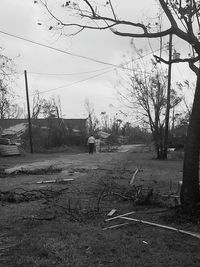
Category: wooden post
<point>29,115</point>
<point>168,99</point>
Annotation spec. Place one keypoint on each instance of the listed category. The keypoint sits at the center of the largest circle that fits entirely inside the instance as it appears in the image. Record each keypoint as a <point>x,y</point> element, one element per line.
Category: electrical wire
<point>70,84</point>
<point>80,56</point>
<point>58,50</point>
<point>77,82</point>
<point>68,74</point>
<point>80,81</point>
<point>73,54</point>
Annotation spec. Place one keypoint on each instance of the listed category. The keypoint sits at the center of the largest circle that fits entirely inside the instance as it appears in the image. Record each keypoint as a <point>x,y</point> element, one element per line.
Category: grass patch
<point>74,235</point>
<point>61,243</point>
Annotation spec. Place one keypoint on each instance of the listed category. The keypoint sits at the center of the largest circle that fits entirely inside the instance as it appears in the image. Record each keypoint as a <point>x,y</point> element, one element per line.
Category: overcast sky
<point>84,79</point>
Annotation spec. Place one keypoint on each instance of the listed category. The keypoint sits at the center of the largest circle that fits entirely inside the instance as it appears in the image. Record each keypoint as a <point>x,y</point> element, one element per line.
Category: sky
<point>72,78</point>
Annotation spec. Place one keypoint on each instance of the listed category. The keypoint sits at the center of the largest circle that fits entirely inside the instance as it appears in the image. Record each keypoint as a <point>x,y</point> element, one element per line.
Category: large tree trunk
<point>190,187</point>
<point>158,136</point>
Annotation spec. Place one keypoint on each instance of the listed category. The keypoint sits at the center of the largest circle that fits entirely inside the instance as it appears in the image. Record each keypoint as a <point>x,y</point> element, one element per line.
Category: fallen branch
<point>163,226</point>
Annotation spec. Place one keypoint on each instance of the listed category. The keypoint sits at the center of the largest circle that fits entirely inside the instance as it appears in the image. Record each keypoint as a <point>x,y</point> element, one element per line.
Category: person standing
<point>91,143</point>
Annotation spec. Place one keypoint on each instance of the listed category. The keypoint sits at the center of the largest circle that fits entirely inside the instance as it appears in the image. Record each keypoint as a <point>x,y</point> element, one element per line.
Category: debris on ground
<point>55,181</point>
<point>111,212</point>
<point>9,150</point>
<point>123,216</point>
<point>119,216</point>
<point>117,225</point>
<point>133,177</point>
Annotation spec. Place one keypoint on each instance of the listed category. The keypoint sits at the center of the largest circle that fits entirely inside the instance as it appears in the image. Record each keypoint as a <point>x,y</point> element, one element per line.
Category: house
<point>14,128</point>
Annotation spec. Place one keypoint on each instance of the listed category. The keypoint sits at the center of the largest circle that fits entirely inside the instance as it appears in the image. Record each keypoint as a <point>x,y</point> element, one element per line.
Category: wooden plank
<point>111,212</point>
<point>117,225</point>
<point>9,150</point>
<point>55,181</point>
<point>119,216</point>
<point>197,235</point>
<point>134,177</point>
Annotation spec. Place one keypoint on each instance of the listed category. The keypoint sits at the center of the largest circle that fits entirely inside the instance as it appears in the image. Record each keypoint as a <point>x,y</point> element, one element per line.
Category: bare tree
<point>7,68</point>
<point>8,109</point>
<point>7,71</point>
<point>37,106</point>
<point>92,119</point>
<point>147,94</point>
<point>183,21</point>
<point>105,121</point>
<point>144,91</point>
<point>45,108</point>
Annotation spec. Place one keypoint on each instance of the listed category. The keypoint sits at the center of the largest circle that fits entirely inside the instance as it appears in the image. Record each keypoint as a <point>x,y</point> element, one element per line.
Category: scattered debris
<point>134,177</point>
<point>55,181</point>
<point>197,235</point>
<point>119,216</point>
<point>111,212</point>
<point>117,225</point>
<point>139,195</point>
<point>9,150</point>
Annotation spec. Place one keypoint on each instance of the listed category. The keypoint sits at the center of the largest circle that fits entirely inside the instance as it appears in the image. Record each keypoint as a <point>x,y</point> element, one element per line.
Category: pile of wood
<point>8,149</point>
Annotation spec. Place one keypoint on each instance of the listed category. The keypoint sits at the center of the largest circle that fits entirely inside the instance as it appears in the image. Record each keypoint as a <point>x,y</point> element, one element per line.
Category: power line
<point>80,81</point>
<point>71,84</point>
<point>80,56</point>
<point>58,50</point>
<point>74,54</point>
<point>77,82</point>
<point>68,74</point>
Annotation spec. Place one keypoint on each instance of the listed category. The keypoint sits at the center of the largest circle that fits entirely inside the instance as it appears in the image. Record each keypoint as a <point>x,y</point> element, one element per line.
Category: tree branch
<point>190,61</point>
<point>168,13</point>
<point>144,35</point>
<point>194,68</point>
<point>111,6</point>
<point>91,8</point>
<point>178,60</point>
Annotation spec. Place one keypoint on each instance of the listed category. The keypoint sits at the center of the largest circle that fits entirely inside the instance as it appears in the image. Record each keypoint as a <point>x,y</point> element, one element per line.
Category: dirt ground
<point>62,223</point>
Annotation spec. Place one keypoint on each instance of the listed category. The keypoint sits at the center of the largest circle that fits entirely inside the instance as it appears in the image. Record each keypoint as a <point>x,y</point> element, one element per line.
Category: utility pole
<point>168,99</point>
<point>29,115</point>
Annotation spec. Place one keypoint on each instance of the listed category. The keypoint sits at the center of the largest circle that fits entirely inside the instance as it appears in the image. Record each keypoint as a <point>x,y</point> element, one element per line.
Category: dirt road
<point>34,168</point>
<point>39,167</point>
